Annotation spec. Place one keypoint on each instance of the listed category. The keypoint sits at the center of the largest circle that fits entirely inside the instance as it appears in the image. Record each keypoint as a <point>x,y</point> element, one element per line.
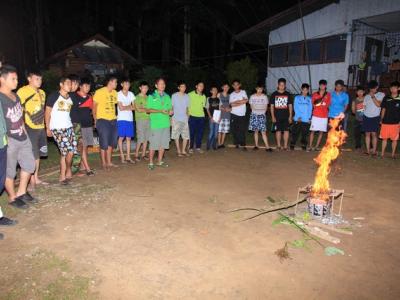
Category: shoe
<point>199,150</point>
<point>269,150</point>
<point>28,198</point>
<point>162,164</point>
<point>255,148</point>
<point>90,173</point>
<point>151,167</point>
<point>222,146</point>
<point>237,146</point>
<point>291,147</point>
<point>1,236</point>
<point>7,222</point>
<point>219,146</point>
<point>304,148</point>
<point>19,203</point>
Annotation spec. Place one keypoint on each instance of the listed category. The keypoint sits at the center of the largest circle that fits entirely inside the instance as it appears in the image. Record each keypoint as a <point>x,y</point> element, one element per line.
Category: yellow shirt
<point>106,102</point>
<point>33,105</point>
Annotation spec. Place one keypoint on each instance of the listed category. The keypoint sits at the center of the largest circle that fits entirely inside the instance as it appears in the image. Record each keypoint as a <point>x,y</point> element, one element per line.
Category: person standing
<point>197,105</point>
<point>142,119</point>
<point>357,108</point>
<point>180,125</point>
<point>211,106</point>
<point>225,108</point>
<point>33,101</point>
<point>339,101</point>
<point>125,124</point>
<point>238,100</point>
<point>104,114</point>
<point>74,114</point>
<point>59,126</point>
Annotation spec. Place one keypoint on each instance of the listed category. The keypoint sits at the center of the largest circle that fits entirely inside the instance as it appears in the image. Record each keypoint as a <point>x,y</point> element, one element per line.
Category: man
<point>339,100</point>
<point>74,114</point>
<point>19,149</point>
<point>59,126</point>
<point>104,114</point>
<point>197,105</point>
<point>180,125</point>
<point>142,120</point>
<point>302,117</point>
<point>237,100</point>
<point>33,101</point>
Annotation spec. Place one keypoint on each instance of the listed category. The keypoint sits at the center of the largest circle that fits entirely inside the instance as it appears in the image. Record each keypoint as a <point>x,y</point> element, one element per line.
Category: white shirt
<point>237,96</point>
<point>125,115</point>
<point>259,104</point>
<point>370,109</point>
<point>61,107</point>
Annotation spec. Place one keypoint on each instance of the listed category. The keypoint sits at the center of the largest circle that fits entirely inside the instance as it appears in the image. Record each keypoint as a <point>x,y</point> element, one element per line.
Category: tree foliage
<point>245,71</point>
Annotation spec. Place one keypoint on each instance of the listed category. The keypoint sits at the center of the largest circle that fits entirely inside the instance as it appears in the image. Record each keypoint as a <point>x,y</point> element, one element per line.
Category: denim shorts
<point>107,131</point>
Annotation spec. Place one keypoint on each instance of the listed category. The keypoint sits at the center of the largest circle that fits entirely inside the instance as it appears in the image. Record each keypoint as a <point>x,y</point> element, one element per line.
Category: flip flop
<point>131,161</point>
<point>162,164</point>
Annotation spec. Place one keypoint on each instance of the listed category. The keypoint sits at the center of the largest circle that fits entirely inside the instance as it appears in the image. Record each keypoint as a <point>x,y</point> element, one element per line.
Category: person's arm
<point>208,110</point>
<point>376,101</point>
<point>353,107</point>
<point>291,113</point>
<point>383,111</point>
<point>47,116</point>
<point>295,107</point>
<point>137,108</point>
<point>273,113</point>
<point>94,112</point>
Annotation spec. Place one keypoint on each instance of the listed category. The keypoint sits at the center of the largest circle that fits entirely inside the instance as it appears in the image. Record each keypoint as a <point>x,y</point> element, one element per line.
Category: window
<point>335,49</point>
<point>295,53</point>
<point>278,56</point>
<point>314,51</point>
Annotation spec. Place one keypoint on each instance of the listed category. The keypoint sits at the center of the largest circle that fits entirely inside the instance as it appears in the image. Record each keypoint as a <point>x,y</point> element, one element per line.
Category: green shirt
<point>3,130</point>
<point>161,102</point>
<point>141,102</point>
<point>197,104</point>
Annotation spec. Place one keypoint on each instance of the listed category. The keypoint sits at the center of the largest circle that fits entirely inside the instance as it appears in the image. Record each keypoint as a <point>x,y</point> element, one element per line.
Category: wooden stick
<point>318,232</point>
<point>329,227</point>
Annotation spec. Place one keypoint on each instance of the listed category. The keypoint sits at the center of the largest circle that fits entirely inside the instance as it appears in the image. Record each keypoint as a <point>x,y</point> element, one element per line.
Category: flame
<point>336,137</point>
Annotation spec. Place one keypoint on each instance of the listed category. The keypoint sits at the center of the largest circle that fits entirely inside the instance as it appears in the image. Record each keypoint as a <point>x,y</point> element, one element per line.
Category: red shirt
<point>321,108</point>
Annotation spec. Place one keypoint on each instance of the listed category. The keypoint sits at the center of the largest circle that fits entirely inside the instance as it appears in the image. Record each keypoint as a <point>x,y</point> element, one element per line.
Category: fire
<point>329,153</point>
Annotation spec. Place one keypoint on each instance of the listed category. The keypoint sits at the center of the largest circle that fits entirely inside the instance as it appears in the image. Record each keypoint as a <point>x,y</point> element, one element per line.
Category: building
<point>353,40</point>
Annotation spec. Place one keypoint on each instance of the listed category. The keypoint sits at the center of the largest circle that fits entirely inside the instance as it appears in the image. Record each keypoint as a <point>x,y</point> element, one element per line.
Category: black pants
<point>357,127</point>
<point>297,129</point>
<point>238,129</point>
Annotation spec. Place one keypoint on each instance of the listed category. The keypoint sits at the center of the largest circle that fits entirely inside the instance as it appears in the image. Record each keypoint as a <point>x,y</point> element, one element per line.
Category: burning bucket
<point>318,207</point>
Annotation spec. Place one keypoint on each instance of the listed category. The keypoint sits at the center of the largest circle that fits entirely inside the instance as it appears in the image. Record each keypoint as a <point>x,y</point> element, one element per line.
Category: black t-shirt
<point>281,102</point>
<point>392,110</point>
<point>75,107</point>
<point>213,104</point>
<point>85,105</point>
<point>14,117</point>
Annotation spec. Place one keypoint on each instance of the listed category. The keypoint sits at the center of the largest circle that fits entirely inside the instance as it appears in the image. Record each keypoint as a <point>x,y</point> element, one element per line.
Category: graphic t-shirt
<point>60,114</point>
<point>33,102</point>
<point>224,102</point>
<point>106,102</point>
<point>259,104</point>
<point>359,106</point>
<point>125,115</point>
<point>197,104</point>
<point>212,104</point>
<point>339,101</point>
<point>180,104</point>
<point>321,104</point>
<point>370,109</point>
<point>392,110</point>
<point>85,106</point>
<point>237,96</point>
<point>160,102</point>
<point>74,113</point>
<point>281,102</point>
<point>141,102</point>
<point>14,117</point>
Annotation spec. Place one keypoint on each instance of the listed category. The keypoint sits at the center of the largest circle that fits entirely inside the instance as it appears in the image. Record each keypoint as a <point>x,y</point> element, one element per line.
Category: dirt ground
<point>135,234</point>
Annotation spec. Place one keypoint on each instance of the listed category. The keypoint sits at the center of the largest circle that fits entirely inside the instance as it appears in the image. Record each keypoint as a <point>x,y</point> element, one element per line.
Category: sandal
<point>151,167</point>
<point>90,173</point>
<point>137,158</point>
<point>145,157</point>
<point>185,154</point>
<point>179,154</point>
<point>162,164</point>
<point>64,182</point>
<point>130,161</point>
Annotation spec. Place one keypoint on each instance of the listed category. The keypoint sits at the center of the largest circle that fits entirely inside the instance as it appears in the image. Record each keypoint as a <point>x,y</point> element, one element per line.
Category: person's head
<point>65,85</point>
<point>394,88</point>
<point>181,86</point>
<point>111,82</point>
<point>225,87</point>
<point>199,86</point>
<point>360,91</point>
<point>236,85</point>
<point>8,77</point>
<point>34,78</point>
<point>339,85</point>
<point>373,86</point>
<point>305,88</point>
<point>143,87</point>
<point>281,84</point>
<point>259,88</point>
<point>75,81</point>
<point>214,91</point>
<point>84,86</point>
<point>322,84</point>
<point>125,84</point>
<point>160,84</point>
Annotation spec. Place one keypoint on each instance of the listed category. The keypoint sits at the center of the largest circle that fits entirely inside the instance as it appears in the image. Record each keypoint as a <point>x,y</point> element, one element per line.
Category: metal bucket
<point>319,208</point>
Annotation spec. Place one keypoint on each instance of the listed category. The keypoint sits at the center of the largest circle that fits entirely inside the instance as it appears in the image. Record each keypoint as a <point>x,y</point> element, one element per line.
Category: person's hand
<point>290,120</point>
<point>299,120</point>
<point>273,120</point>
<point>171,113</point>
<point>211,120</point>
<point>49,133</point>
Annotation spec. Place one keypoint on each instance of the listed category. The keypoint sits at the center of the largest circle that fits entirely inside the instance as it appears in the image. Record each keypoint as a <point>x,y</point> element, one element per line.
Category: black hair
<point>124,79</point>
<point>235,80</point>
<point>197,82</point>
<point>143,83</point>
<point>260,84</point>
<point>305,86</point>
<point>109,78</point>
<point>63,79</point>
<point>323,81</point>
<point>373,84</point>
<point>281,80</point>
<point>85,80</point>
<point>158,79</point>
<point>180,82</point>
<point>32,72</point>
<point>74,77</point>
<point>395,83</point>
<point>225,83</point>
<point>360,88</point>
<point>339,82</point>
<point>7,69</point>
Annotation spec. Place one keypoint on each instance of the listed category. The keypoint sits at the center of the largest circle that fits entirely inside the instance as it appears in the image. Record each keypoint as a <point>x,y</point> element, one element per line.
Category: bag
<point>37,118</point>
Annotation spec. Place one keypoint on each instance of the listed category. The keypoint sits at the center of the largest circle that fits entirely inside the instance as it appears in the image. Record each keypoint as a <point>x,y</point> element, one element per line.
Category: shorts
<point>390,131</point>
<point>65,139</point>
<point>371,124</point>
<point>38,140</point>
<point>224,126</point>
<point>77,131</point>
<point>19,153</point>
<point>159,138</point>
<point>180,128</point>
<point>87,136</point>
<point>282,125</point>
<point>126,129</point>
<point>3,167</point>
<point>319,124</point>
<point>258,122</point>
<point>107,131</point>
<point>142,131</point>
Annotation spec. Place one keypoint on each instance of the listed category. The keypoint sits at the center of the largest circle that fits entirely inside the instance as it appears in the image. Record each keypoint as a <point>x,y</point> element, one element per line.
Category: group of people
<point>70,115</point>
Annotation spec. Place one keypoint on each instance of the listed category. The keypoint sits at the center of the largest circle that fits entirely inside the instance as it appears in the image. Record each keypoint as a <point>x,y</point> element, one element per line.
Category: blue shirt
<point>302,108</point>
<point>338,104</point>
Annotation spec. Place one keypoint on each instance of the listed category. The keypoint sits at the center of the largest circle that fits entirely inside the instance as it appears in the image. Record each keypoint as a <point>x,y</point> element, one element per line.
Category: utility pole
<point>305,45</point>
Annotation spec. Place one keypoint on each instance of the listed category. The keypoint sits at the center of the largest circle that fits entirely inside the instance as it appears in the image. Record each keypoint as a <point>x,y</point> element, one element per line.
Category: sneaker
<point>28,198</point>
<point>7,222</point>
<point>199,150</point>
<point>151,167</point>
<point>18,203</point>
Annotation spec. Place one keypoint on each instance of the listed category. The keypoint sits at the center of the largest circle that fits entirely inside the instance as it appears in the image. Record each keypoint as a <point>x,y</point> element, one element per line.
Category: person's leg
<point>384,144</point>
<point>121,151</point>
<point>128,148</point>
<point>295,134</point>
<point>219,138</point>
<point>216,127</point>
<point>178,146</point>
<point>357,134</point>
<point>63,168</point>
<point>192,130</point>
<point>278,135</point>
<point>109,156</point>
<point>160,155</point>
<point>310,145</point>
<point>394,146</point>
<point>319,139</point>
<point>200,131</point>
<point>368,142</point>
<point>265,139</point>
<point>184,145</point>
<point>256,138</point>
<point>243,129</point>
<point>210,134</point>
<point>151,157</point>
<point>305,129</point>
<point>286,139</point>
<point>85,162</point>
<point>374,142</point>
<point>68,164</point>
<point>24,178</point>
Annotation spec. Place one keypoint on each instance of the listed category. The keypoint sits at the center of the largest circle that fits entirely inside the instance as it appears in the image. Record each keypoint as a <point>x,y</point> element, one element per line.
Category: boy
<point>321,100</point>
<point>211,106</point>
<point>142,119</point>
<point>104,101</point>
<point>180,125</point>
<point>159,106</point>
<point>302,117</point>
<point>237,100</point>
<point>339,100</point>
<point>390,118</point>
<point>19,148</point>
<point>371,118</point>
<point>225,108</point>
<point>357,108</point>
<point>197,104</point>
<point>258,120</point>
<point>74,114</point>
<point>125,125</point>
<point>60,127</point>
<point>33,101</point>
<point>281,113</point>
<point>85,106</point>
